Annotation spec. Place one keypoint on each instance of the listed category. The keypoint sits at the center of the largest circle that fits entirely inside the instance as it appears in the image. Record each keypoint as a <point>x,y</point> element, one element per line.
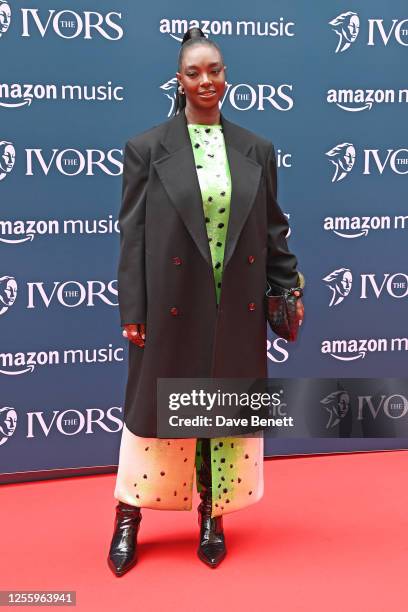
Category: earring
<point>181,90</point>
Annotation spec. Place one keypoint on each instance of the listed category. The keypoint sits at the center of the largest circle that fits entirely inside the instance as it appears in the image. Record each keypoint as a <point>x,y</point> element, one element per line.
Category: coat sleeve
<point>131,272</point>
<point>281,263</point>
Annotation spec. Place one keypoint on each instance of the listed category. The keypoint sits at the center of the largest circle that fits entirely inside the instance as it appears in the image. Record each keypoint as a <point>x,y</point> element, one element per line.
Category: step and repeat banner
<point>324,82</point>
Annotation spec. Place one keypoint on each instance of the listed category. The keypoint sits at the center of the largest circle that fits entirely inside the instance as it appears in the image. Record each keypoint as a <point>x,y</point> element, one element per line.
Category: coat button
<point>176,261</point>
<point>174,311</point>
<point>251,259</point>
<point>251,306</point>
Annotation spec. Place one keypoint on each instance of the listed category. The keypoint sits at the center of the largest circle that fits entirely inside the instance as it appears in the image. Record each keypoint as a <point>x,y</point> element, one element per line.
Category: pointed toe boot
<point>211,548</point>
<point>123,548</point>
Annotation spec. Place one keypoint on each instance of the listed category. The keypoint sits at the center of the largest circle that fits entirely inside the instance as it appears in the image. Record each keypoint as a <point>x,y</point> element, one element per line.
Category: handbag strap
<point>278,290</point>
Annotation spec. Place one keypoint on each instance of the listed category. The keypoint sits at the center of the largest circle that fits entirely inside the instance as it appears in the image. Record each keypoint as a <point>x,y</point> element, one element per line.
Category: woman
<point>201,234</point>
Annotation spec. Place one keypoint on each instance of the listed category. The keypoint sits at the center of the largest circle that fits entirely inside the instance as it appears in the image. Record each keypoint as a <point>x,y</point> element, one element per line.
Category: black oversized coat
<point>165,276</point>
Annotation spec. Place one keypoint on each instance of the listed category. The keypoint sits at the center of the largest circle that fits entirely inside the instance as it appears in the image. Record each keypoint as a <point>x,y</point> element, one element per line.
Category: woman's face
<point>202,76</point>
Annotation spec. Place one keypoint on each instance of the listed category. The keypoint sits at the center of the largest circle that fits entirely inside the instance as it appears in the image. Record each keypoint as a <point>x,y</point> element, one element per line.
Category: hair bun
<point>192,33</point>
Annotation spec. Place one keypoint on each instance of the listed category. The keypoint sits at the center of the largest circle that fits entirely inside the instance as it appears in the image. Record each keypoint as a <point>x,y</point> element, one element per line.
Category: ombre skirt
<point>158,473</point>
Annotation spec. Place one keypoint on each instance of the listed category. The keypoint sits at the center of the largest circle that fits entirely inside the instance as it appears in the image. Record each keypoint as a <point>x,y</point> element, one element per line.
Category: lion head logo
<point>343,157</point>
<point>337,405</point>
<point>5,17</point>
<point>347,27</point>
<point>8,423</point>
<point>339,282</point>
<point>169,88</point>
<point>7,158</point>
<point>8,292</point>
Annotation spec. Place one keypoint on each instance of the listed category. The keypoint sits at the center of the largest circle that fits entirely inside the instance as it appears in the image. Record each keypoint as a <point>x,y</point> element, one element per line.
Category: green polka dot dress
<point>215,183</point>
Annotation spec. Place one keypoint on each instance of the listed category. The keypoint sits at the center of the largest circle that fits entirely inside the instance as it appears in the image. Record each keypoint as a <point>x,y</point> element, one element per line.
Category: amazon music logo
<point>278,28</point>
<point>358,348</point>
<point>356,226</point>
<point>16,364</point>
<point>356,100</point>
<point>16,232</point>
<point>18,95</point>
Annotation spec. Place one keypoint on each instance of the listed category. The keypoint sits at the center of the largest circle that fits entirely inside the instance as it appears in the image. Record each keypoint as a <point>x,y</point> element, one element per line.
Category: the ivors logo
<point>64,23</point>
<point>379,31</point>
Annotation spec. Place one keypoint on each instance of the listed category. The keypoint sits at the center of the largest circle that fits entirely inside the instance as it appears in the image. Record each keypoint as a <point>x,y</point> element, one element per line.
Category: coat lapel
<point>178,175</point>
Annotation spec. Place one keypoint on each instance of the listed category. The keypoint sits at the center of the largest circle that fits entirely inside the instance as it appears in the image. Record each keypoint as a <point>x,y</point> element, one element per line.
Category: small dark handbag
<point>281,311</point>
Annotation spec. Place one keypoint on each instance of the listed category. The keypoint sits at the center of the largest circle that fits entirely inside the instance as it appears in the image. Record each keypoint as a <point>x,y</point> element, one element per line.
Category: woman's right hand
<point>135,333</point>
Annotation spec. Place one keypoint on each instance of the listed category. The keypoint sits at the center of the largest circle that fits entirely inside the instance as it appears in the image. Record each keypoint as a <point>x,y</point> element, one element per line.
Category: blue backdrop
<point>324,83</point>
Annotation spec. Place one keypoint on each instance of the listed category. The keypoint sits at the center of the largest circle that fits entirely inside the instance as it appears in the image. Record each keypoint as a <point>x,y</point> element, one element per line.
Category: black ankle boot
<point>211,549</point>
<point>123,549</point>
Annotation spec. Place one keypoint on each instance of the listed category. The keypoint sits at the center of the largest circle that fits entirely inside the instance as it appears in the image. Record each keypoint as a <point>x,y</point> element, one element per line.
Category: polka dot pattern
<point>159,473</point>
<point>214,177</point>
<point>236,472</point>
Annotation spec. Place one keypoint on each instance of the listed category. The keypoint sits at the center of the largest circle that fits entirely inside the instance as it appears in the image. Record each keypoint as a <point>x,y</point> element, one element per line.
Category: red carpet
<point>330,534</point>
